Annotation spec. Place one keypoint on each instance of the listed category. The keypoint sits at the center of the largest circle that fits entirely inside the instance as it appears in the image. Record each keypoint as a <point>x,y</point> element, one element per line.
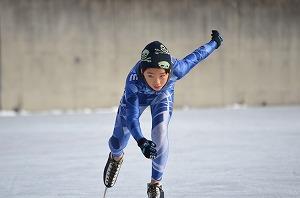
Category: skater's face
<point>156,78</point>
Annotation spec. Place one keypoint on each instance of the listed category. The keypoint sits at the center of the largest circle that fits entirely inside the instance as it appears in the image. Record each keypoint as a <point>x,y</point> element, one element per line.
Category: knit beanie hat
<point>156,55</point>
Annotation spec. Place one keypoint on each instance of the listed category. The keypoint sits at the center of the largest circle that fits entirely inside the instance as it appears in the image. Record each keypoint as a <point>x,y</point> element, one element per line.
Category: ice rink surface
<point>214,153</point>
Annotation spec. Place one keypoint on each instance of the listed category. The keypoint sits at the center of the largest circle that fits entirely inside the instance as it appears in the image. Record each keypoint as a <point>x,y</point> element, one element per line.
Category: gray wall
<point>76,53</point>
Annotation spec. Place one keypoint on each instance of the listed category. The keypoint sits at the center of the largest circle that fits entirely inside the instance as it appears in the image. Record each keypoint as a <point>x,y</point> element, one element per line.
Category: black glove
<point>148,148</point>
<point>215,36</point>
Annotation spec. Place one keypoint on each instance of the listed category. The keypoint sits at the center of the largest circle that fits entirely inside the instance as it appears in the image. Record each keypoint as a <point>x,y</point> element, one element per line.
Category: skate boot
<point>155,191</point>
<point>111,171</point>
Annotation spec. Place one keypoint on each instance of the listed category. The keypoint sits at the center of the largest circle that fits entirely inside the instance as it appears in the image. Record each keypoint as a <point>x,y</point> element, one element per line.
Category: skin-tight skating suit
<point>138,95</point>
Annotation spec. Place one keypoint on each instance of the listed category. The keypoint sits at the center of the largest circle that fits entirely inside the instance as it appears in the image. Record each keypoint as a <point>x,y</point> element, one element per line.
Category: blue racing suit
<point>138,96</point>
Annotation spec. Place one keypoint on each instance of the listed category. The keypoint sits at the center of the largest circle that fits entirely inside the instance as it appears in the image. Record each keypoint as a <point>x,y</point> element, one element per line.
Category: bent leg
<point>120,137</point>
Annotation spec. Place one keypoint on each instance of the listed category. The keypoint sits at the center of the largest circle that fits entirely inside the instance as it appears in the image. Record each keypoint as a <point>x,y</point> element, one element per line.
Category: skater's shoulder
<point>133,75</point>
<point>133,80</point>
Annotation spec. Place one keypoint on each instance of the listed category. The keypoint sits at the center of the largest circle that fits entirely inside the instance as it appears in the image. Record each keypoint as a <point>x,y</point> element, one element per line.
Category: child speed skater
<point>151,83</point>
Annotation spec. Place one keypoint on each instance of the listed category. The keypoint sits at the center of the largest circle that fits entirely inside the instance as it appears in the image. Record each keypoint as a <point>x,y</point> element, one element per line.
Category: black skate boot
<point>111,171</point>
<point>155,191</point>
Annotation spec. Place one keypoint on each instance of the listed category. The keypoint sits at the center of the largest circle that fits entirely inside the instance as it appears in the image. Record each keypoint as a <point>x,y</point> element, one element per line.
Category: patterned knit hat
<point>156,55</point>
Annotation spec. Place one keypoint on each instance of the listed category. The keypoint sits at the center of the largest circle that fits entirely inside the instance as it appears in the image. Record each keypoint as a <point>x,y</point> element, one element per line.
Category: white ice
<point>214,153</point>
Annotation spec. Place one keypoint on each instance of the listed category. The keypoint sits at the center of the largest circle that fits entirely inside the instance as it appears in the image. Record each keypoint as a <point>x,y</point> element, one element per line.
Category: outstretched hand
<point>215,36</point>
<point>148,148</point>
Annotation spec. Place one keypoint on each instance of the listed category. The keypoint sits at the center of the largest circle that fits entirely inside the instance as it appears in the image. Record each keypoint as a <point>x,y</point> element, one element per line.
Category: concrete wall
<point>76,53</point>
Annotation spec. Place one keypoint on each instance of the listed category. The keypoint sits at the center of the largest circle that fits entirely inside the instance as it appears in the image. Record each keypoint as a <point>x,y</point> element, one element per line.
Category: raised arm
<point>182,67</point>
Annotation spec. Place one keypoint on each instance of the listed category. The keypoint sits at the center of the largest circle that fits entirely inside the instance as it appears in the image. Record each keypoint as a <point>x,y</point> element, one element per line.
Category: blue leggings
<point>161,111</point>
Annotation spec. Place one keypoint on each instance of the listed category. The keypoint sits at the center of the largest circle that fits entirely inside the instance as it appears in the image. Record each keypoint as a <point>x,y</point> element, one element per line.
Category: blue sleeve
<point>133,111</point>
<point>182,67</point>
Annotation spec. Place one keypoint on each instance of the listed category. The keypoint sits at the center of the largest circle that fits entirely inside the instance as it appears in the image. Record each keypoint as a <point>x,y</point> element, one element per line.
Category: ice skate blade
<point>104,194</point>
